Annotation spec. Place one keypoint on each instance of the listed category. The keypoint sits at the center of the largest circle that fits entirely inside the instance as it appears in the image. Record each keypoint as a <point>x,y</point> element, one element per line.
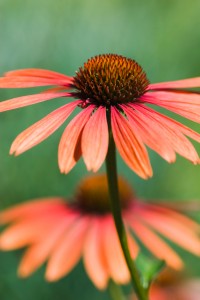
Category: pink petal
<point>150,137</point>
<point>68,251</point>
<point>165,208</point>
<point>26,232</point>
<point>95,140</point>
<point>41,130</point>
<point>56,89</point>
<point>94,260</point>
<point>113,252</point>
<point>176,126</point>
<point>28,81</point>
<point>184,104</point>
<point>69,150</point>
<point>129,145</point>
<point>133,246</point>
<point>155,244</point>
<point>178,84</point>
<point>114,256</point>
<point>29,100</point>
<point>174,96</point>
<point>30,208</point>
<point>37,73</point>
<point>173,229</point>
<point>39,252</point>
<point>172,134</point>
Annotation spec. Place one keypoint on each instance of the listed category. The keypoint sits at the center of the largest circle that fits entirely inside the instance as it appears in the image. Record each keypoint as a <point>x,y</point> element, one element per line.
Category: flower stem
<point>111,168</point>
<point>115,291</point>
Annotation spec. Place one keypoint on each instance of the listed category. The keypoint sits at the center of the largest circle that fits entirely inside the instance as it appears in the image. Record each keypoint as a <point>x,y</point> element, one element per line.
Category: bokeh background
<point>163,36</point>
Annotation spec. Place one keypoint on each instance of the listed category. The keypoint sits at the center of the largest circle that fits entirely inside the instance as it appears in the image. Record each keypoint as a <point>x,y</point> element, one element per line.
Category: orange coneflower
<point>115,87</point>
<point>61,233</point>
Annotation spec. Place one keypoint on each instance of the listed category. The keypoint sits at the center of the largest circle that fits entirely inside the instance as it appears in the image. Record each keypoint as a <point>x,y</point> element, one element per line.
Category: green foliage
<point>150,269</point>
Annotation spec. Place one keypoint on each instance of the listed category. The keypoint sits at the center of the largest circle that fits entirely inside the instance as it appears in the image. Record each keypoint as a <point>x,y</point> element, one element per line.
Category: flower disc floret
<point>110,79</point>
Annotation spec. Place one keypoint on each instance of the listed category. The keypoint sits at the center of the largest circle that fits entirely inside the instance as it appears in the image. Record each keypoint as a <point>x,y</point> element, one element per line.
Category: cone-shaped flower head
<point>61,233</point>
<point>112,92</point>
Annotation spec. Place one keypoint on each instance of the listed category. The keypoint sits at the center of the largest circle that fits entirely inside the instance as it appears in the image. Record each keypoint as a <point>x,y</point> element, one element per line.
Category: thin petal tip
<point>5,244</point>
<point>196,162</point>
<point>63,171</point>
<point>51,276</point>
<point>93,169</point>
<point>16,153</point>
<point>23,272</point>
<point>172,161</point>
<point>148,174</point>
<point>178,266</point>
<point>61,168</point>
<point>13,152</point>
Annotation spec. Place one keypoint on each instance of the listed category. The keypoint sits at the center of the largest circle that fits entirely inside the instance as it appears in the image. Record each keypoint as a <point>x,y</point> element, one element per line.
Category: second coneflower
<point>61,233</point>
<point>112,91</point>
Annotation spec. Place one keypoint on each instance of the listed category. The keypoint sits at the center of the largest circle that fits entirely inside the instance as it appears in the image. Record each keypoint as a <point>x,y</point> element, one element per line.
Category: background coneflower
<point>61,233</point>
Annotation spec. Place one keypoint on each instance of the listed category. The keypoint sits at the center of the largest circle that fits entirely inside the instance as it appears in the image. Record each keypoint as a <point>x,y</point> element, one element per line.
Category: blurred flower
<point>109,87</point>
<point>171,286</point>
<point>61,233</point>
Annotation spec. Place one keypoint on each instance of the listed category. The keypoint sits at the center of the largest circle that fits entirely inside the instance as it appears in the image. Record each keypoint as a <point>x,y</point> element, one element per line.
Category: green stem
<point>116,211</point>
<point>115,291</point>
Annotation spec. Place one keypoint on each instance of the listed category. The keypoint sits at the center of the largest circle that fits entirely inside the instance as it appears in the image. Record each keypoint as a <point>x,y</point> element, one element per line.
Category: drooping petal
<point>26,232</point>
<point>38,253</point>
<point>29,100</point>
<point>114,255</point>
<point>30,208</point>
<point>94,259</point>
<point>172,134</point>
<point>155,244</point>
<point>184,104</point>
<point>150,134</point>
<point>129,145</point>
<point>183,97</point>
<point>68,251</point>
<point>113,252</point>
<point>28,81</point>
<point>174,125</point>
<point>37,73</point>
<point>69,150</point>
<point>41,130</point>
<point>173,229</point>
<point>94,142</point>
<point>167,209</point>
<point>177,84</point>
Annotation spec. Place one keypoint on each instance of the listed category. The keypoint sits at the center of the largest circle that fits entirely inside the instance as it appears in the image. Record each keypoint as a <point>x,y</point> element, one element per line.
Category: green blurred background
<point>162,35</point>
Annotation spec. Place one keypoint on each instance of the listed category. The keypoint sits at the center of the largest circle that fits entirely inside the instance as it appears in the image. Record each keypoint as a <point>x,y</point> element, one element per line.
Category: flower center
<point>110,79</point>
<point>93,196</point>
